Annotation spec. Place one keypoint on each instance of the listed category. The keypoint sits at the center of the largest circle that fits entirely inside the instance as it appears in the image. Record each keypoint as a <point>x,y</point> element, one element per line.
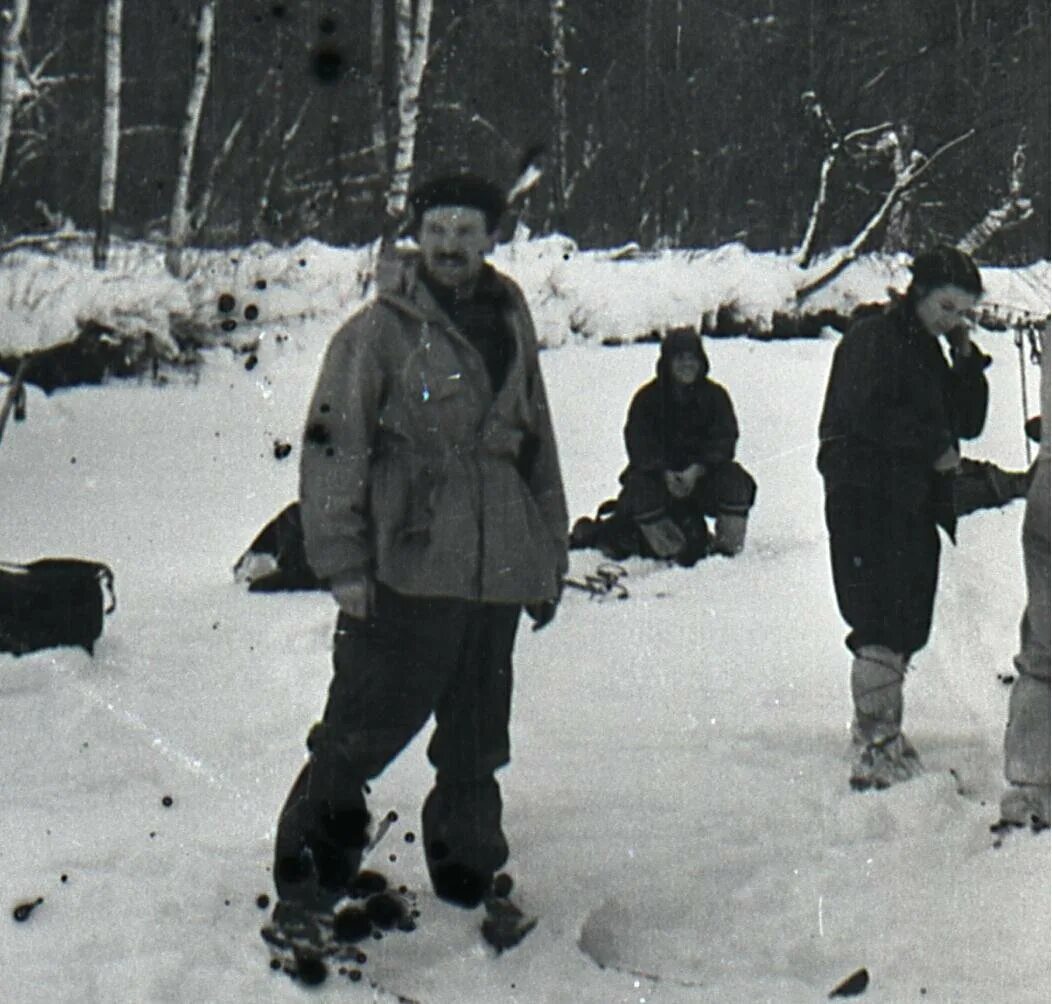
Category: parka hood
<point>681,340</point>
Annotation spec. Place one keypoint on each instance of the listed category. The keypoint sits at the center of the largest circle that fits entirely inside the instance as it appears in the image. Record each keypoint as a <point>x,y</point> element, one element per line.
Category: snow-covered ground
<point>677,801</point>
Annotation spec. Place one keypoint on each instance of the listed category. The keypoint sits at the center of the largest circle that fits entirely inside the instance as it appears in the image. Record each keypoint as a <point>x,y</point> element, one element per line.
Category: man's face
<point>454,243</point>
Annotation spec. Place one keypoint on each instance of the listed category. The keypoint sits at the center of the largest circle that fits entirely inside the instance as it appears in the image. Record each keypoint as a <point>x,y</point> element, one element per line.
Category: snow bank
<point>240,296</point>
<point>46,300</point>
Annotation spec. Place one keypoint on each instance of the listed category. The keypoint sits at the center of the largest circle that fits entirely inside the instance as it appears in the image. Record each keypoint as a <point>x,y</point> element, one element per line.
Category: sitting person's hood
<point>681,340</point>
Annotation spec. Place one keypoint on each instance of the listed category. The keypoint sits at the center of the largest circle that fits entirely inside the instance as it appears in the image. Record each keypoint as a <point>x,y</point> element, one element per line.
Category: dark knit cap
<point>459,190</point>
<point>944,265</point>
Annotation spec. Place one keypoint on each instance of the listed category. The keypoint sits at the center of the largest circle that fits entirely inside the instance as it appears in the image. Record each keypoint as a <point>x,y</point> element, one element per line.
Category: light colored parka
<point>415,473</point>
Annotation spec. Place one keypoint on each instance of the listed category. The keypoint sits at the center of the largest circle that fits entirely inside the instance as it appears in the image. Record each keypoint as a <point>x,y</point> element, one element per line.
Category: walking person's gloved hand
<point>948,461</point>
<point>354,594</point>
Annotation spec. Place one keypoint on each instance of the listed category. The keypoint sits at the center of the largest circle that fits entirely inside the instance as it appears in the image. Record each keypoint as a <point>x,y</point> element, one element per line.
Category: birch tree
<point>14,21</point>
<point>179,222</point>
<point>111,128</point>
<point>377,68</point>
<point>560,68</point>
<point>412,35</point>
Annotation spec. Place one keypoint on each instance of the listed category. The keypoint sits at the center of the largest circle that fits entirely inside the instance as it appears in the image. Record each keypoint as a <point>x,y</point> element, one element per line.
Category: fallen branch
<point>43,240</point>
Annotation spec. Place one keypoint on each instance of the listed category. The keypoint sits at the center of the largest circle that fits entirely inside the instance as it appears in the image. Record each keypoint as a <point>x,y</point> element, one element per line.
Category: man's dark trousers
<point>412,657</point>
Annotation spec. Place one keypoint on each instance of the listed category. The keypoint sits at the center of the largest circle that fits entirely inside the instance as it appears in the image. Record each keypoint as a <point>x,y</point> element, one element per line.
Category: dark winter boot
<point>663,536</point>
<point>583,533</point>
<point>463,840</point>
<point>730,533</point>
<point>318,848</point>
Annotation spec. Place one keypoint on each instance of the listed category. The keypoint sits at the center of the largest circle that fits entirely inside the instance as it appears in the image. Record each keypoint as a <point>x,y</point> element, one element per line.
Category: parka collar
<point>402,285</point>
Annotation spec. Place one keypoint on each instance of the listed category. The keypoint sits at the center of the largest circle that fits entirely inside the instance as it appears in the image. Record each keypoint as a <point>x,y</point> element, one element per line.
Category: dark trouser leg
<point>885,565</point>
<point>463,838</point>
<point>389,673</point>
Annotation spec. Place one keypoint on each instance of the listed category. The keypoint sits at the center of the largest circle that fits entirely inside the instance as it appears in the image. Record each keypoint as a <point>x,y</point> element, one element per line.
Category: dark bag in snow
<point>276,561</point>
<point>53,601</point>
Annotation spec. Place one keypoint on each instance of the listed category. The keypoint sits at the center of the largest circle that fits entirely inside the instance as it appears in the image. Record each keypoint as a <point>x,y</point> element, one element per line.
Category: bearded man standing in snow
<point>894,413</point>
<point>432,505</point>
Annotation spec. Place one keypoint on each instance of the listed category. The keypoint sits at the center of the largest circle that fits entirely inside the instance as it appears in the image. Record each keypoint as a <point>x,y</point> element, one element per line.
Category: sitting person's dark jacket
<point>680,436</point>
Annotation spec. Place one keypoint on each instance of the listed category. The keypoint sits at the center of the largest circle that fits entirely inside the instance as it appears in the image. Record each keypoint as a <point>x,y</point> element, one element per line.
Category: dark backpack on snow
<point>53,601</point>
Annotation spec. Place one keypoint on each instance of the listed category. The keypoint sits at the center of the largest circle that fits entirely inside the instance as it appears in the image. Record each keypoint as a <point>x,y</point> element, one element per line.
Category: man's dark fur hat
<point>459,190</point>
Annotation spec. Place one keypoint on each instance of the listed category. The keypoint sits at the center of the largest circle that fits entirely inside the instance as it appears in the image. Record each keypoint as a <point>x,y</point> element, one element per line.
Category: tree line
<point>797,125</point>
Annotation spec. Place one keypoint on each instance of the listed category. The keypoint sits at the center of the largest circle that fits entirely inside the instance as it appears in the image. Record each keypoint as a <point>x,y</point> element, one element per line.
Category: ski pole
<point>14,389</point>
<point>1022,384</point>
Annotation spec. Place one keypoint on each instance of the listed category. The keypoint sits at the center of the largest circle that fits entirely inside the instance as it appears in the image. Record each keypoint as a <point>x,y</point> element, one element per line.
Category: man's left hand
<point>542,613</point>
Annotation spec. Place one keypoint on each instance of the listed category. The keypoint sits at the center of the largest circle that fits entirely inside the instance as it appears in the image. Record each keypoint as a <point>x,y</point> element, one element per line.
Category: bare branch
<point>917,165</point>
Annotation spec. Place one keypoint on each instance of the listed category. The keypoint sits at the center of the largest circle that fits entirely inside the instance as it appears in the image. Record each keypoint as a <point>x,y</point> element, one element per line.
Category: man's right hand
<point>353,594</point>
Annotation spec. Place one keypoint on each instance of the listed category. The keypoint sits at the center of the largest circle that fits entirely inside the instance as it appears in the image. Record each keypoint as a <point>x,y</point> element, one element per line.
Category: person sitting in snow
<point>893,415</point>
<point>680,436</point>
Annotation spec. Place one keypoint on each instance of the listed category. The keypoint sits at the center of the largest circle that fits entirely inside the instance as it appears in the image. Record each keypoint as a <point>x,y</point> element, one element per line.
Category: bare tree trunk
<point>179,224</point>
<point>916,165</point>
<point>836,144</point>
<point>897,234</point>
<point>111,131</point>
<point>561,136</point>
<point>12,48</point>
<point>1015,208</point>
<point>412,39</point>
<point>378,65</point>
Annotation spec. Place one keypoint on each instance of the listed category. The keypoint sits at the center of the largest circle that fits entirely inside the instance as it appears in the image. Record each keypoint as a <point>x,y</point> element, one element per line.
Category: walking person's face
<point>684,367</point>
<point>944,308</point>
<point>454,243</point>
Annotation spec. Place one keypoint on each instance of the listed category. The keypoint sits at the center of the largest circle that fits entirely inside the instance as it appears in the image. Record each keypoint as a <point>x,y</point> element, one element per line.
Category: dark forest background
<point>684,119</point>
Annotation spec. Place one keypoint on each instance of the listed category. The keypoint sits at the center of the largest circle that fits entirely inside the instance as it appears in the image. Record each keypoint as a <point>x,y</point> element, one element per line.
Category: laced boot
<point>883,755</point>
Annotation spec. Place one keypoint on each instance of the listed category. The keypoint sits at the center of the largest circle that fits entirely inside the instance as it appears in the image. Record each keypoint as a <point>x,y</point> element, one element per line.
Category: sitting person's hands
<point>681,483</point>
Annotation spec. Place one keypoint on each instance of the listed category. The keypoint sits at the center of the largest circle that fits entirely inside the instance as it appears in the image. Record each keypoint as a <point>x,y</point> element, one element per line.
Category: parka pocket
<point>402,497</point>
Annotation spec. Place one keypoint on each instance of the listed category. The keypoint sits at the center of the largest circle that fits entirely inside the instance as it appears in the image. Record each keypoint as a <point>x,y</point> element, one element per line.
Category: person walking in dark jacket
<point>432,505</point>
<point>894,412</point>
<point>680,435</point>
